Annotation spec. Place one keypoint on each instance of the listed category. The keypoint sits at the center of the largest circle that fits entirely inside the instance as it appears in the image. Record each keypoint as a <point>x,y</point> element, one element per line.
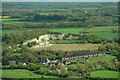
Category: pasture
<point>82,29</point>
<point>104,32</point>
<point>103,58</point>
<point>104,74</point>
<point>69,47</point>
<point>109,35</point>
<point>17,31</point>
<point>21,73</point>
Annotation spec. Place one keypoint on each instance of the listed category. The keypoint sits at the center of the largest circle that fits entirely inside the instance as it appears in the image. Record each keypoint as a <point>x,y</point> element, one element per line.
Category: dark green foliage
<point>33,67</point>
<point>20,38</point>
<point>38,17</point>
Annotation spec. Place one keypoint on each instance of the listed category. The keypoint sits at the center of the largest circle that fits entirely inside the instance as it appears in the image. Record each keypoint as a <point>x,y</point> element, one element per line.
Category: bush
<point>42,70</point>
<point>13,66</point>
<point>21,66</point>
<point>33,67</point>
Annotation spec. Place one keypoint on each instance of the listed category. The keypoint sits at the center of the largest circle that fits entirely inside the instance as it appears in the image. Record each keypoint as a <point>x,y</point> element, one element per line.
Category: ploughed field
<point>69,47</point>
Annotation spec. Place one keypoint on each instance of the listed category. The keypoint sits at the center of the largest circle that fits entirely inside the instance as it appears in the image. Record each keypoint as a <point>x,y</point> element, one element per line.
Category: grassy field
<point>65,41</point>
<point>78,30</point>
<point>109,35</point>
<point>103,58</point>
<point>20,73</point>
<point>67,30</point>
<point>104,32</point>
<point>17,31</point>
<point>104,74</point>
<point>69,47</point>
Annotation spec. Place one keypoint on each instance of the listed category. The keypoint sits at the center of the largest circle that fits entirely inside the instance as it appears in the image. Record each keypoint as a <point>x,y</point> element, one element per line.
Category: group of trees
<point>38,17</point>
<point>14,38</point>
<point>111,48</point>
<point>85,68</point>
<point>43,25</point>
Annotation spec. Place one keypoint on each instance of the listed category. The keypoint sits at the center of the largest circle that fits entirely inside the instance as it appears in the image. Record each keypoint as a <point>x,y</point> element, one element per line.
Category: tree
<point>29,57</point>
<point>42,70</point>
<point>33,66</point>
<point>81,67</point>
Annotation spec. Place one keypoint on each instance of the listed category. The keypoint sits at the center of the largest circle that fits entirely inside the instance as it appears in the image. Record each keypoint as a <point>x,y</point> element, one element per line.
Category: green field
<point>103,58</point>
<point>69,47</point>
<point>104,32</point>
<point>109,35</point>
<point>104,74</point>
<point>20,73</point>
<point>78,30</point>
<point>17,31</point>
<point>67,30</point>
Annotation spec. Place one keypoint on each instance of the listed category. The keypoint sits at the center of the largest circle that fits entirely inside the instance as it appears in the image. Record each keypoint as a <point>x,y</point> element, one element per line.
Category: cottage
<point>25,64</point>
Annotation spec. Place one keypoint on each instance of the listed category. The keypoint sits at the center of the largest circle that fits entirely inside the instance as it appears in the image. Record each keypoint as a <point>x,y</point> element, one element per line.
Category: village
<point>64,60</point>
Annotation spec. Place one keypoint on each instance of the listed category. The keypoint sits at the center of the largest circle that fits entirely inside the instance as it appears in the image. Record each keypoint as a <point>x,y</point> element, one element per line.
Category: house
<point>24,64</point>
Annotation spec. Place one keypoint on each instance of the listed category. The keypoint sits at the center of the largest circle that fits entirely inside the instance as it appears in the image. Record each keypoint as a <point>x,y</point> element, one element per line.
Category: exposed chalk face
<point>42,41</point>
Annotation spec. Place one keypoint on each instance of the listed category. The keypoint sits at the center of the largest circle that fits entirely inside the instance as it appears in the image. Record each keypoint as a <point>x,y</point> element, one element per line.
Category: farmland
<point>78,30</point>
<point>69,47</point>
<point>16,31</point>
<point>103,32</point>
<point>104,58</point>
<point>98,58</point>
<point>21,73</point>
<point>104,74</point>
